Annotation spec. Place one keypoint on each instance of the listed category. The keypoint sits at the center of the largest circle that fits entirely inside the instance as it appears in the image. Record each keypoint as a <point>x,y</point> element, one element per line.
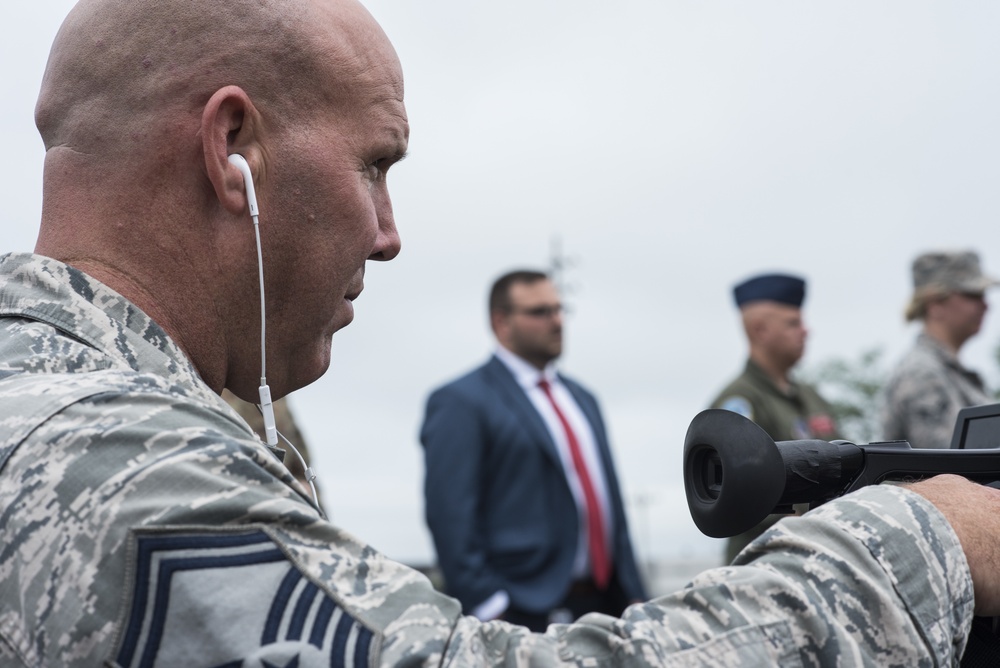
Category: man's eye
<point>375,173</point>
<point>377,170</point>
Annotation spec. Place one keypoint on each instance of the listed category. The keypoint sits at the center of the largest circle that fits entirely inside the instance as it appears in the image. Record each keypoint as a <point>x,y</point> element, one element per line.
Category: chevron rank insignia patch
<point>229,600</point>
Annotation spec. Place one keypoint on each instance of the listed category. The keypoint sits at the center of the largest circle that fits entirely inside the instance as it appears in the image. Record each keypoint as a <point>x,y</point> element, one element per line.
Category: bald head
<point>117,69</point>
<point>141,104</point>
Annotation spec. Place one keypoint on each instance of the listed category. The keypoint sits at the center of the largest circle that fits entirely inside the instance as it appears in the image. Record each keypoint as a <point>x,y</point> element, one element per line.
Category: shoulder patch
<point>737,404</point>
<point>231,599</point>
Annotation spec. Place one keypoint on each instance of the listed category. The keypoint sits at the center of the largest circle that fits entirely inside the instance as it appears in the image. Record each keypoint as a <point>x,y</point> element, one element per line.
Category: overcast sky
<point>675,148</point>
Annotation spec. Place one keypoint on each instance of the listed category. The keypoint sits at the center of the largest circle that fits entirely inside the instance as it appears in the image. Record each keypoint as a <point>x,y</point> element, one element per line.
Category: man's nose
<point>387,243</point>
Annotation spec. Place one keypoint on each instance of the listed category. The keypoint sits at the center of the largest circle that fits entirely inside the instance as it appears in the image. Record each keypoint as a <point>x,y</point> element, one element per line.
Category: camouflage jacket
<point>141,523</point>
<point>924,394</point>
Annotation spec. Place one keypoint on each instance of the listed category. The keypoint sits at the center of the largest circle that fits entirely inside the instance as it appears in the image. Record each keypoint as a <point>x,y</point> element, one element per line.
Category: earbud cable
<point>263,320</point>
<point>266,407</point>
<point>310,474</point>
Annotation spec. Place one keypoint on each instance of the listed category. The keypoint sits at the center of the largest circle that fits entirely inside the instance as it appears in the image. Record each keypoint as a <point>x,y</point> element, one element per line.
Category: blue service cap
<point>781,288</point>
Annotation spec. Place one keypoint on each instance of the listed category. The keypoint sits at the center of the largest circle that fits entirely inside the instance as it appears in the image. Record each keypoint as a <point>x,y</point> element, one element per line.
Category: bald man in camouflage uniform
<point>143,523</point>
<point>930,385</point>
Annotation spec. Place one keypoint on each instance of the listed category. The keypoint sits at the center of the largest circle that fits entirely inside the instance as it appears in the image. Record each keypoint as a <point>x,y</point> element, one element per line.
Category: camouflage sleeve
<point>877,578</point>
<point>140,541</point>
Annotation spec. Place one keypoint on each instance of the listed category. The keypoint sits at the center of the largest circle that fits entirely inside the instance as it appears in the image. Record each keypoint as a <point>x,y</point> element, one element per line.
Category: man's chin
<point>341,319</point>
<point>305,368</point>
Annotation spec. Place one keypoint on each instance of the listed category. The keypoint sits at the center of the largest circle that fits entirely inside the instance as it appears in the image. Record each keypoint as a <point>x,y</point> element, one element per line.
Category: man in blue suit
<point>521,494</point>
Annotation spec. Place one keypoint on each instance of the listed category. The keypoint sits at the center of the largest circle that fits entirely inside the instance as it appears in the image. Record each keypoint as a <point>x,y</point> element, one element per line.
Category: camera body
<point>735,475</point>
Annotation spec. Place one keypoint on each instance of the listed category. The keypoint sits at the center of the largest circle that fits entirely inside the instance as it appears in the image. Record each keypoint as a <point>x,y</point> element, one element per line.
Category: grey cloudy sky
<point>674,148</point>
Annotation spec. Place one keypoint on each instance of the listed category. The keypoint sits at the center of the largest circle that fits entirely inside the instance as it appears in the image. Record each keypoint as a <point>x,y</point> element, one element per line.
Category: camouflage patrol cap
<point>941,273</point>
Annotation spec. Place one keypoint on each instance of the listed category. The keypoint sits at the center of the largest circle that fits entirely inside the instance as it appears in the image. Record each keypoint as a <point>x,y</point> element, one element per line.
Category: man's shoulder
<point>115,426</point>
<point>920,364</point>
<point>474,393</point>
<point>475,380</point>
<point>116,407</point>
<point>921,353</point>
<point>70,386</point>
<point>743,386</point>
<point>170,495</point>
<point>811,392</point>
<point>35,397</point>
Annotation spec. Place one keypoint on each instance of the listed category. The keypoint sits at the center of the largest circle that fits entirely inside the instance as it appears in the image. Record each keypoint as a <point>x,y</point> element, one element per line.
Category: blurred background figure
<point>771,309</point>
<point>522,498</point>
<point>930,385</point>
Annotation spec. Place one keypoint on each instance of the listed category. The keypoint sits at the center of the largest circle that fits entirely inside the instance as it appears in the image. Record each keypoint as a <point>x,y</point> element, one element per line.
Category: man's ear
<point>932,310</point>
<point>498,322</point>
<point>754,322</point>
<point>228,125</point>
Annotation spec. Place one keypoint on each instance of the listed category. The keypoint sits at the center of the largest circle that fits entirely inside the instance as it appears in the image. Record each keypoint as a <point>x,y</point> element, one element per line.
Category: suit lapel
<point>511,393</point>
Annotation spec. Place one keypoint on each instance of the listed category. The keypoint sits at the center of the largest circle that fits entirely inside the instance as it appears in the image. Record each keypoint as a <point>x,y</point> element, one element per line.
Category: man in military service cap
<point>771,310</point>
<point>144,524</point>
<point>930,385</point>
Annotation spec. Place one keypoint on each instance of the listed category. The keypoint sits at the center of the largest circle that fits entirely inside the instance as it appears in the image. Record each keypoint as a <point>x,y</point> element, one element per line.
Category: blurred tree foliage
<point>852,387</point>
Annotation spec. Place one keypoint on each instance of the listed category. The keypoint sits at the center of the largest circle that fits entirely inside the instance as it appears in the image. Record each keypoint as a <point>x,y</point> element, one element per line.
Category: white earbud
<point>240,163</point>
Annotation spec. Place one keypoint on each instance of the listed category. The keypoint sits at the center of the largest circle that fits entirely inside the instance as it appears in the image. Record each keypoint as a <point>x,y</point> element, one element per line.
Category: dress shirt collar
<point>526,375</point>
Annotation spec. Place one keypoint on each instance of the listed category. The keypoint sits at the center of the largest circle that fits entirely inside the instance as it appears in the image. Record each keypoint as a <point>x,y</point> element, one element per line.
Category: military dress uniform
<point>925,393</point>
<point>796,414</point>
<point>143,524</point>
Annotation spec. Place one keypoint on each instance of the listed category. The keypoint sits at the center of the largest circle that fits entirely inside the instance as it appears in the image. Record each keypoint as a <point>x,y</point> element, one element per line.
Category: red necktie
<point>600,562</point>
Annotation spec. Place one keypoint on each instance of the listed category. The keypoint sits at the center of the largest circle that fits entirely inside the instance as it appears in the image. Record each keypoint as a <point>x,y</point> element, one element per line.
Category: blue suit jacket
<point>497,502</point>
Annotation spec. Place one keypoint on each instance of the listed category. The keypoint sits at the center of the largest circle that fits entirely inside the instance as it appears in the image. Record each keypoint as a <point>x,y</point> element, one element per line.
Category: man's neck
<point>778,373</point>
<point>519,365</point>
<point>942,335</point>
<point>536,362</point>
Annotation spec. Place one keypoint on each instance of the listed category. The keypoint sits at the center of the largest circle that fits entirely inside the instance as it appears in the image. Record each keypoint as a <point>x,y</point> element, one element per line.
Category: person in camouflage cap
<point>142,523</point>
<point>929,386</point>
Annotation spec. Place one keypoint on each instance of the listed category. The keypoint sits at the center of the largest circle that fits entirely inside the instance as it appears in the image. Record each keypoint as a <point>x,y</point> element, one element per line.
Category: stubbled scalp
<point>117,69</point>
